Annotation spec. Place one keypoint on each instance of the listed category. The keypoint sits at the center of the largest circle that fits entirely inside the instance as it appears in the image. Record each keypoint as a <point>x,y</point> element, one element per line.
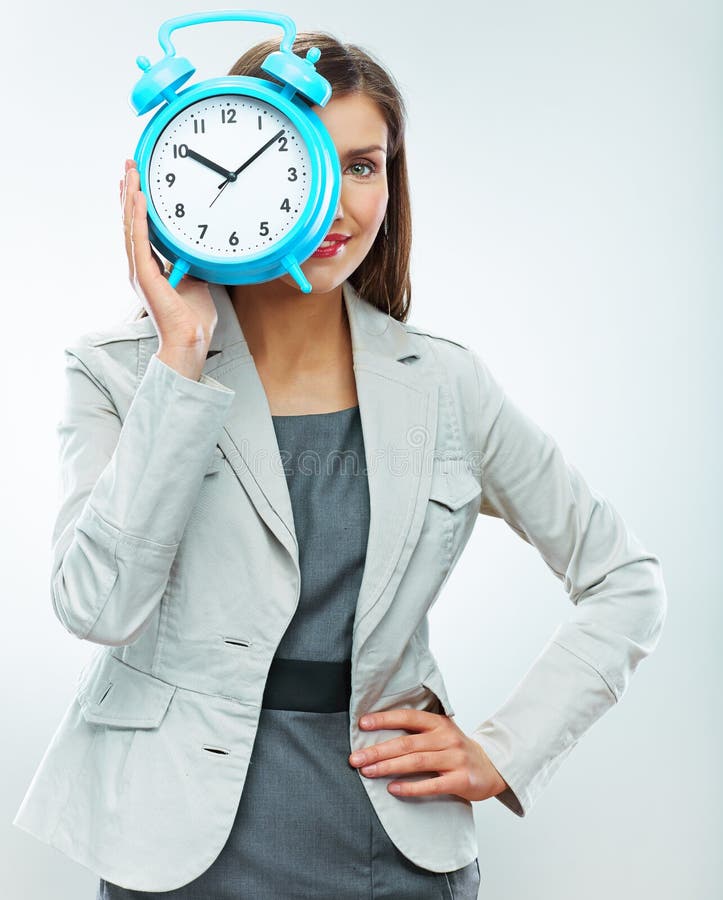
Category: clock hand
<point>252,158</point>
<point>223,188</point>
<point>232,176</point>
<point>210,164</point>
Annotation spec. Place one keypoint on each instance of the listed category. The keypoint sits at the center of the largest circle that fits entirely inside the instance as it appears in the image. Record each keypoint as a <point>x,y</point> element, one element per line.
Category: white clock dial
<point>200,194</point>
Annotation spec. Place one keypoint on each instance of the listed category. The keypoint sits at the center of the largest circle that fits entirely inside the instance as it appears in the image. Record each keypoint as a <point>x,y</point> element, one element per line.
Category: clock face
<point>229,176</point>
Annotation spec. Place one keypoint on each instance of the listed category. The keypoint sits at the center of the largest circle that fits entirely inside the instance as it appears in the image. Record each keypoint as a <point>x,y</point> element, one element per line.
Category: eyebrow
<point>365,150</point>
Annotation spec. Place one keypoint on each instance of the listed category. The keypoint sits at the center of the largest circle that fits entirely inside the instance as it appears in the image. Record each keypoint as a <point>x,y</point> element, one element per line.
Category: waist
<point>308,685</point>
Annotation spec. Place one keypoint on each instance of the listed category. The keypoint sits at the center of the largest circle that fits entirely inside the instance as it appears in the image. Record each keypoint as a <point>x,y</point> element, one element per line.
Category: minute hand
<point>252,158</point>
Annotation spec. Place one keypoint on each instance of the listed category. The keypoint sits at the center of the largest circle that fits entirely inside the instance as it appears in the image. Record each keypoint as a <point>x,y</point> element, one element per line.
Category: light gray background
<point>566,174</point>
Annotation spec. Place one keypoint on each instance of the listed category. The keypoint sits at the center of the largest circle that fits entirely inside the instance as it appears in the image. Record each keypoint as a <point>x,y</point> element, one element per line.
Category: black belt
<point>308,685</point>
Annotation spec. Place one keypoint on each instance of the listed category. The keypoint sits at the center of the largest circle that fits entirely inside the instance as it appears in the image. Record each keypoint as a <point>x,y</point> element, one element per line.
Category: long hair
<point>382,277</point>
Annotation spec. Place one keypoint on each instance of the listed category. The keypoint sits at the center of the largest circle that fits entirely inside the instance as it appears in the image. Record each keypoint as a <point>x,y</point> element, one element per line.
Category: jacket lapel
<point>398,409</point>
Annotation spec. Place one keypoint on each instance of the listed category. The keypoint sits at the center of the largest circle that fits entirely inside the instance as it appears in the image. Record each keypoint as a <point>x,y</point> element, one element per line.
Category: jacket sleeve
<point>126,491</point>
<point>615,585</point>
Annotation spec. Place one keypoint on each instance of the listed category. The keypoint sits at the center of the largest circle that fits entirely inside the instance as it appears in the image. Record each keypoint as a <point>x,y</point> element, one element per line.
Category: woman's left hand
<point>438,746</point>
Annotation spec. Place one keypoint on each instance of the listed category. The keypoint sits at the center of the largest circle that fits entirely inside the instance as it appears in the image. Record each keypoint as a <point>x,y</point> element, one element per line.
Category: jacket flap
<point>452,482</point>
<point>113,693</point>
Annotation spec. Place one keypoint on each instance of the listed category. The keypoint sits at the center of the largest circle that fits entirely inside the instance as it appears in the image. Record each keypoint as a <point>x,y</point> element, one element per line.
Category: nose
<point>339,211</point>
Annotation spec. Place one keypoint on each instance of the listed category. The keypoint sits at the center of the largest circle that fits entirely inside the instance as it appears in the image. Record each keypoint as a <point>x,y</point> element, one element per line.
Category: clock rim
<point>324,179</point>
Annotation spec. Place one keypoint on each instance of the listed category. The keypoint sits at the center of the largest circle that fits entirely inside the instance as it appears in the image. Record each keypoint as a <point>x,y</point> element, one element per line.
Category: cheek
<point>367,206</point>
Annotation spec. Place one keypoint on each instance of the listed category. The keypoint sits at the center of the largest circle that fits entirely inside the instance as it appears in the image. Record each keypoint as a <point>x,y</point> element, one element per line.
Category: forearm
<point>115,541</point>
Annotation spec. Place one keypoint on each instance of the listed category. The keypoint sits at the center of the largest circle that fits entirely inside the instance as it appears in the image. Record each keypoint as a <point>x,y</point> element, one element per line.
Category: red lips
<point>332,250</point>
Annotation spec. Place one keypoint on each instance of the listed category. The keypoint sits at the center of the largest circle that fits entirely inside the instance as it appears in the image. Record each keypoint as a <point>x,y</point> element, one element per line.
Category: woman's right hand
<point>185,318</point>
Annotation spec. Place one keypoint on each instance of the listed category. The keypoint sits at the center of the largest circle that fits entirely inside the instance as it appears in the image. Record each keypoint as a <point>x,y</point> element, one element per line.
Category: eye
<point>362,163</point>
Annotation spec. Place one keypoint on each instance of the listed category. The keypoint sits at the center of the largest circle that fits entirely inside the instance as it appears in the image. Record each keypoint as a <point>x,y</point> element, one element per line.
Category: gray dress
<point>305,827</point>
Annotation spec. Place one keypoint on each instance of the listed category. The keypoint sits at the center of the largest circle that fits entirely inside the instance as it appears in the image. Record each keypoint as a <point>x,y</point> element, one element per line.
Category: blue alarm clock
<point>241,176</point>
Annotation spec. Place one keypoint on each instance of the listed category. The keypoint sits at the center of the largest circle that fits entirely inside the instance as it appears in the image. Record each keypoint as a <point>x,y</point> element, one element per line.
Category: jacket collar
<point>398,404</point>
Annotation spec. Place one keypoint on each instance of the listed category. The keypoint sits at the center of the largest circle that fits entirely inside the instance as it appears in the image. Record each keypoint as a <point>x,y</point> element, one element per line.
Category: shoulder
<point>453,356</point>
<point>434,337</point>
<point>126,330</point>
<point>111,353</point>
<point>454,363</point>
<point>464,368</point>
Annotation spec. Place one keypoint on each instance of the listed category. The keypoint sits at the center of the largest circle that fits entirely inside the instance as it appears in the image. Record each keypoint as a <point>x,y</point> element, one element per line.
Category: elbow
<point>68,612</point>
<point>74,620</point>
<point>643,618</point>
<point>619,620</point>
<point>103,589</point>
<point>658,603</point>
<point>78,618</point>
<point>644,605</point>
<point>96,633</point>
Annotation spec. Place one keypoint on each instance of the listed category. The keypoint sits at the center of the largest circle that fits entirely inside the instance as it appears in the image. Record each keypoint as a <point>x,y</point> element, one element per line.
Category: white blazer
<point>174,550</point>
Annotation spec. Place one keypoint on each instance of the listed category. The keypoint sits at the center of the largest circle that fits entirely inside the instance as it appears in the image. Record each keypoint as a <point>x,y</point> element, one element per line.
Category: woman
<point>201,773</point>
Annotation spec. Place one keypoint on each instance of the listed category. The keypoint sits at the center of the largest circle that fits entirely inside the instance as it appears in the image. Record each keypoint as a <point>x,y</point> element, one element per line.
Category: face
<point>354,123</point>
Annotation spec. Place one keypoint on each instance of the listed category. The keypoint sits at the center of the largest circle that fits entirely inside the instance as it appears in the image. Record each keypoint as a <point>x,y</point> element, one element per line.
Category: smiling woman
<point>301,770</point>
<point>255,606</point>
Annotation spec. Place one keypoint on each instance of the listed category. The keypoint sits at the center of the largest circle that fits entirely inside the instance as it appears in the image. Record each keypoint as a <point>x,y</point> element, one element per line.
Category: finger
<point>442,784</point>
<point>411,719</point>
<point>420,761</point>
<point>144,264</point>
<point>131,186</point>
<point>127,207</point>
<point>396,747</point>
<point>130,165</point>
<point>127,164</point>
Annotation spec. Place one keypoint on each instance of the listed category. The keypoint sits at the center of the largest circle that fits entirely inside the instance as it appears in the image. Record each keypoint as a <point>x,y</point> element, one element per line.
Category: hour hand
<point>210,164</point>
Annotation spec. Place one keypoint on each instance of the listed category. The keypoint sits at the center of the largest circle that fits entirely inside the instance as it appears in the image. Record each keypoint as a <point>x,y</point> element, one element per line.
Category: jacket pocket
<point>434,682</point>
<point>453,485</point>
<point>216,463</point>
<point>429,694</point>
<point>113,693</point>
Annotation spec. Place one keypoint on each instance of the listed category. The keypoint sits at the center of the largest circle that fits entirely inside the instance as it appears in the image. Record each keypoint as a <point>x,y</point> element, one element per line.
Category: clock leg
<point>179,270</point>
<point>294,269</point>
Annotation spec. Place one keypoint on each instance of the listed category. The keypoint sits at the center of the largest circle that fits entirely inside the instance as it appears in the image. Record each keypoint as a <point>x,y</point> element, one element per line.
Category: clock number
<point>180,211</point>
<point>170,178</point>
<point>203,230</point>
<point>180,150</point>
<point>264,228</point>
<point>292,173</point>
<point>259,123</point>
<point>283,145</point>
<point>228,116</point>
<point>199,127</point>
<point>233,240</point>
<point>286,205</point>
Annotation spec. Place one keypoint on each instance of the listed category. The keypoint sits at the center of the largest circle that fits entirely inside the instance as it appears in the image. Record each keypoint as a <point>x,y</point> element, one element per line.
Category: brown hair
<point>382,277</point>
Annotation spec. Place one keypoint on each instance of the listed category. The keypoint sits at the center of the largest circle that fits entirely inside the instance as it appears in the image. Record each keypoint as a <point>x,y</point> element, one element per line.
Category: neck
<point>293,330</point>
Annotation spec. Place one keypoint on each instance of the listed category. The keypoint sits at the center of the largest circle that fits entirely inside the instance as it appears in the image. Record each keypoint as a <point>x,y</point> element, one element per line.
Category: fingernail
<point>356,757</point>
<point>365,721</point>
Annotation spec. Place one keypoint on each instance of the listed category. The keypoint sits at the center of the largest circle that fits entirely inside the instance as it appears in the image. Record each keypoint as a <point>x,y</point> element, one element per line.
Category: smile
<point>330,248</point>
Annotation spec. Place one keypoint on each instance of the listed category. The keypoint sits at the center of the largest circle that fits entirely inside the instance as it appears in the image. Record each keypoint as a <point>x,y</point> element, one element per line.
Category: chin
<point>323,279</point>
